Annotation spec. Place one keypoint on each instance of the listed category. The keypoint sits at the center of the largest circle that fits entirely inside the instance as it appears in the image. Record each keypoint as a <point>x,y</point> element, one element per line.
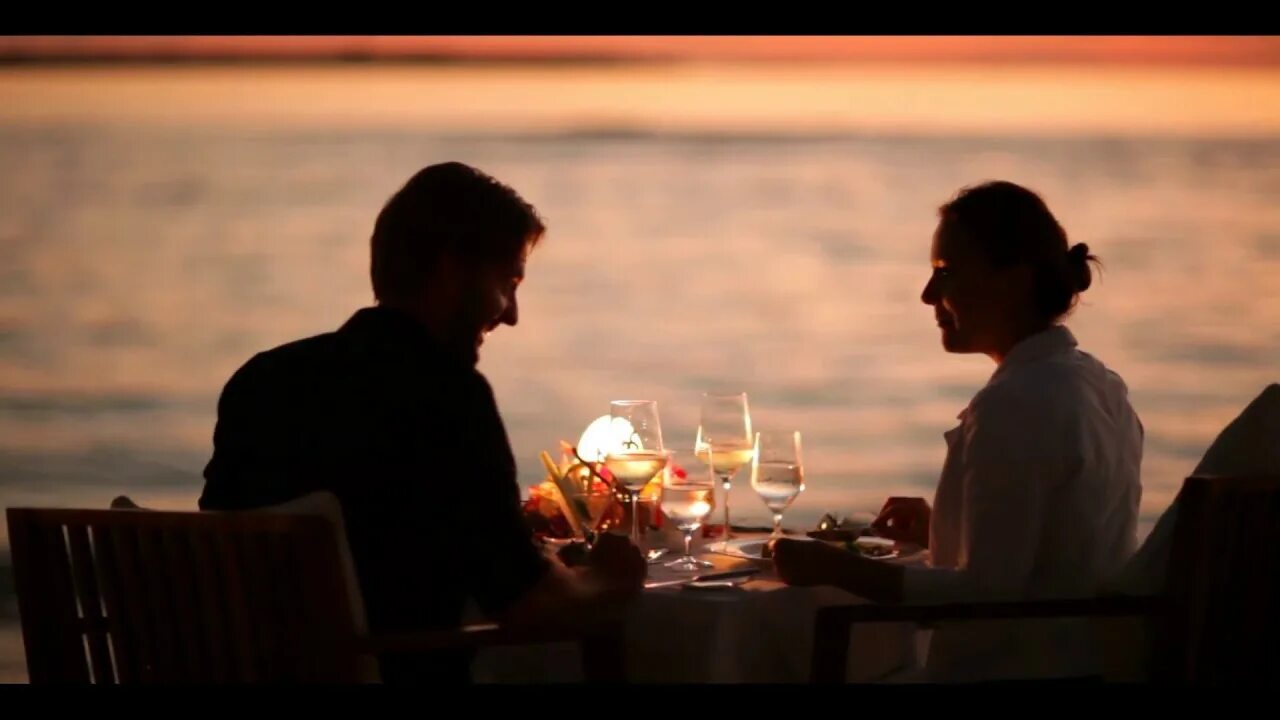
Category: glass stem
<point>635,518</point>
<point>727,480</point>
<point>777,524</point>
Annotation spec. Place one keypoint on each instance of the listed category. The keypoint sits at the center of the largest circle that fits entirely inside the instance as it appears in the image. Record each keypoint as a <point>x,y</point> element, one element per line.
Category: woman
<point>1039,494</point>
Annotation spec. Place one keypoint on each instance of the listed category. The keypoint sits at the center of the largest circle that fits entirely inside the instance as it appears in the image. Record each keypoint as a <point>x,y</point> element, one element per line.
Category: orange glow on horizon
<point>1233,50</point>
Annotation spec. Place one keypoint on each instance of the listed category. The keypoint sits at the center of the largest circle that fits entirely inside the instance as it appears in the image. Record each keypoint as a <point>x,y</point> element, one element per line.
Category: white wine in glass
<point>727,458</point>
<point>634,470</point>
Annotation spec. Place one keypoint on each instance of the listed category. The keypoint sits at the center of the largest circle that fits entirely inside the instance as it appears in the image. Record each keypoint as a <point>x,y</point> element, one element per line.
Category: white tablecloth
<point>762,632</point>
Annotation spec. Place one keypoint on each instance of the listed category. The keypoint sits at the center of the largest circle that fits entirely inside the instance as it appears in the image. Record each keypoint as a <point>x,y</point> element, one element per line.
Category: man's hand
<point>617,562</point>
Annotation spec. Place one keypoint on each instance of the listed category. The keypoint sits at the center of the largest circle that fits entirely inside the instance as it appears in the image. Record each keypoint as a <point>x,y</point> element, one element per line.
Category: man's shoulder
<point>282,365</point>
<point>351,367</point>
<point>302,352</point>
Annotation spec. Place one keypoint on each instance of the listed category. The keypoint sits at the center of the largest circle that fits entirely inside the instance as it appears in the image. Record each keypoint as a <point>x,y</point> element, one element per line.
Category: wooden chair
<point>1216,622</point>
<point>139,596</point>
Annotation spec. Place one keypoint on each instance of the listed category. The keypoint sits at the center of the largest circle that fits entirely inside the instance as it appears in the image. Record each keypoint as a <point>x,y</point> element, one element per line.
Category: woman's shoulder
<point>1054,386</point>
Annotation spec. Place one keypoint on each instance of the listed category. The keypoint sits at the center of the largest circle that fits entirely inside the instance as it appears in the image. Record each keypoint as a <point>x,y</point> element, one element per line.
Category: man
<point>391,415</point>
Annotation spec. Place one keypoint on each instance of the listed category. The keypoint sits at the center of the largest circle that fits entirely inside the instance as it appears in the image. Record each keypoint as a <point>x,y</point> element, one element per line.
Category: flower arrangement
<point>551,508</point>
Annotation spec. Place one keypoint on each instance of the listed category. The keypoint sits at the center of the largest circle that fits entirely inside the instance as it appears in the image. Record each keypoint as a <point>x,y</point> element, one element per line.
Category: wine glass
<point>637,459</point>
<point>592,500</point>
<point>724,440</point>
<point>777,473</point>
<point>687,499</point>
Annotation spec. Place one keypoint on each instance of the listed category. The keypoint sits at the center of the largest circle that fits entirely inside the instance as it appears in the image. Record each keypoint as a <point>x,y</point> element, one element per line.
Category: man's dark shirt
<point>409,439</point>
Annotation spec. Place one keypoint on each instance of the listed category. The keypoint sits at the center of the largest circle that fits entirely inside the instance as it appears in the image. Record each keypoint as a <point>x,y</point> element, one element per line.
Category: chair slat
<point>86,582</point>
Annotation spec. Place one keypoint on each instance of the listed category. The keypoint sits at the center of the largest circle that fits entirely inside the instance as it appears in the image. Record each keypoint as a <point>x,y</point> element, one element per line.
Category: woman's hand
<point>904,520</point>
<point>808,562</point>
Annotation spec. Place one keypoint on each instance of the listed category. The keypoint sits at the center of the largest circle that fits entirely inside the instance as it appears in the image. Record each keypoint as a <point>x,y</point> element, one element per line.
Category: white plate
<point>752,548</point>
<point>877,548</point>
<point>713,585</point>
<point>746,548</point>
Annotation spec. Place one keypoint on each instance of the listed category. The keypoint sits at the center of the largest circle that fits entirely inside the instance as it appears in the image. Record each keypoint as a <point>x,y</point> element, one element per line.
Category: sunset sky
<point>1002,85</point>
<point>1228,50</point>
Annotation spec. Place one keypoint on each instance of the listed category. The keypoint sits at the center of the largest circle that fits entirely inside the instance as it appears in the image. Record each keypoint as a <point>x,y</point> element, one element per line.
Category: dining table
<point>752,628</point>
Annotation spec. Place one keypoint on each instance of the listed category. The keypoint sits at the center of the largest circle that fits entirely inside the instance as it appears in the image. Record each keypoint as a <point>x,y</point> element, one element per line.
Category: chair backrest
<point>1223,584</point>
<point>142,596</point>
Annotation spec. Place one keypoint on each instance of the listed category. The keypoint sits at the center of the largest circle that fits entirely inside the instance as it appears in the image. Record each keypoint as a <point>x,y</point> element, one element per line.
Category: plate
<point>752,548</point>
<point>876,548</point>
<point>746,548</point>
